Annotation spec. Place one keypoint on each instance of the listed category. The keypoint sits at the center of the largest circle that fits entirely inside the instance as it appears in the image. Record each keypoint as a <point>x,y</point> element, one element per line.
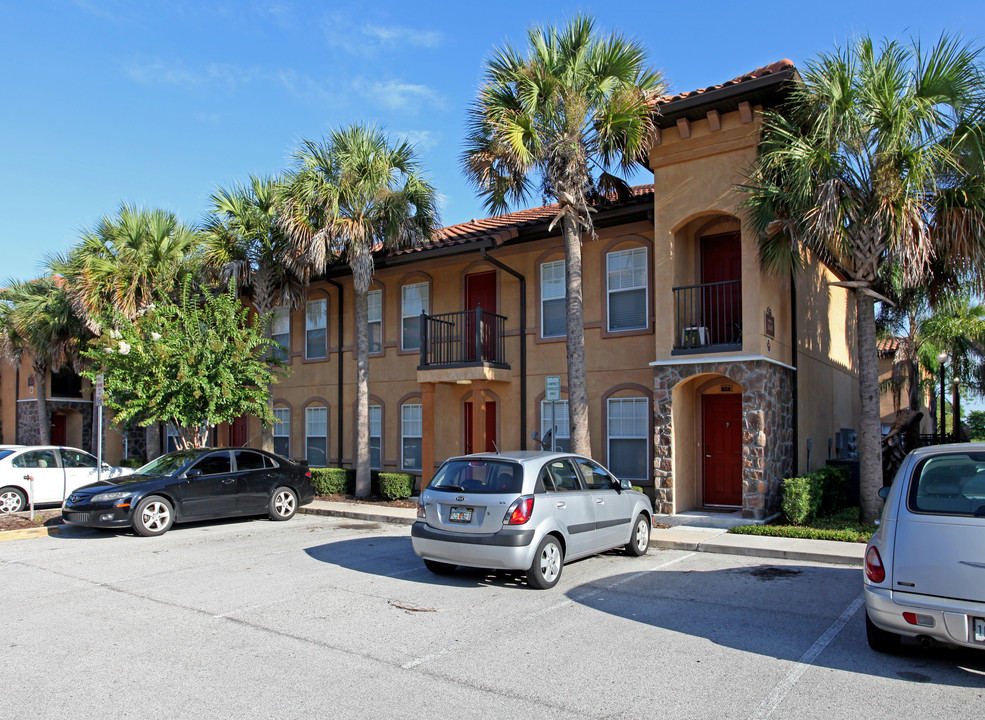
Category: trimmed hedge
<point>342,481</point>
<point>818,493</point>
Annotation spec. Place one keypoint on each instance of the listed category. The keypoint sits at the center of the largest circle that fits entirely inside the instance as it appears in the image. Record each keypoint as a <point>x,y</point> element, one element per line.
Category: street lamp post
<point>955,407</point>
<point>942,359</point>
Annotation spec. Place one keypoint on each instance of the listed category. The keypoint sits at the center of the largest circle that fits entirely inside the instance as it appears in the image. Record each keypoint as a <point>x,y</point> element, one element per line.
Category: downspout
<point>17,397</point>
<point>523,342</point>
<point>795,424</point>
<point>338,402</point>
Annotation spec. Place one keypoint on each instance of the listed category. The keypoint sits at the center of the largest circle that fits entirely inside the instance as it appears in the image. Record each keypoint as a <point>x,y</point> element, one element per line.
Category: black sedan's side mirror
<point>193,473</point>
<point>884,492</point>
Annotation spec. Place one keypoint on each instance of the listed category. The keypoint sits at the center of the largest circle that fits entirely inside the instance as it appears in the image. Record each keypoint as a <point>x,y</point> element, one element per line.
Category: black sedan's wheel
<point>12,500</point>
<point>439,568</point>
<point>881,640</point>
<point>153,516</point>
<point>283,504</point>
<point>640,542</point>
<point>546,568</point>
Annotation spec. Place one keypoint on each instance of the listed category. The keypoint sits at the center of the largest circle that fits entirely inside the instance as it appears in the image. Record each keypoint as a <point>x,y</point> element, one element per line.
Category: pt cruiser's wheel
<point>546,568</point>
<point>880,640</point>
<point>153,516</point>
<point>640,542</point>
<point>283,504</point>
<point>439,568</point>
<point>12,500</point>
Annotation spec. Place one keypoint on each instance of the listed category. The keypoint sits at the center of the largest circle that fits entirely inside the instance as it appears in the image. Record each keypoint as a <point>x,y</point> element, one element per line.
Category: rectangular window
<point>316,329</point>
<point>375,300</point>
<point>411,437</point>
<point>626,273</point>
<point>375,437</point>
<point>414,301</point>
<point>560,430</point>
<point>280,331</point>
<point>552,312</point>
<point>628,429</point>
<point>316,436</point>
<point>282,432</point>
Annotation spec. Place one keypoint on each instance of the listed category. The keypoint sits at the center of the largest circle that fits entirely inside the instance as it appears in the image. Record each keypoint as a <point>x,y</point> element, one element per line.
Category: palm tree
<point>245,242</point>
<point>126,263</point>
<point>354,192</point>
<point>573,108</point>
<point>37,318</point>
<point>874,161</point>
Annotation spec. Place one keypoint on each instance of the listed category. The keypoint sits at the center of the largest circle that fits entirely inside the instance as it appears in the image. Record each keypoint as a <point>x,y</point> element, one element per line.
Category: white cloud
<point>160,72</point>
<point>368,39</point>
<point>396,95</point>
<point>421,139</point>
<point>395,35</point>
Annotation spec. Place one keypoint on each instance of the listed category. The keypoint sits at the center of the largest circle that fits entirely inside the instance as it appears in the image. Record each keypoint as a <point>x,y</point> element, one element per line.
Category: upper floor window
<point>554,424</point>
<point>316,435</point>
<point>282,431</point>
<point>552,312</point>
<point>627,437</point>
<point>316,329</point>
<point>411,436</point>
<point>375,437</point>
<point>414,301</point>
<point>375,302</point>
<point>280,332</point>
<point>626,281</point>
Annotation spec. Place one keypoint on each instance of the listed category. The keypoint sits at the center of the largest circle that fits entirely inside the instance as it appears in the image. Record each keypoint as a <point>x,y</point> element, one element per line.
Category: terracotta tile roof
<point>501,228</point>
<point>776,67</point>
<point>887,346</point>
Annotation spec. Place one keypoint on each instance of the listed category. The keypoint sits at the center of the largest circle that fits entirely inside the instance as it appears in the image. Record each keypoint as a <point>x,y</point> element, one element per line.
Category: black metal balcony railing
<point>463,339</point>
<point>708,316</point>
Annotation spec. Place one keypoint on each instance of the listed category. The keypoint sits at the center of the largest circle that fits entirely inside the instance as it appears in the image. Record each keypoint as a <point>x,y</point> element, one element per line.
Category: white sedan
<point>56,472</point>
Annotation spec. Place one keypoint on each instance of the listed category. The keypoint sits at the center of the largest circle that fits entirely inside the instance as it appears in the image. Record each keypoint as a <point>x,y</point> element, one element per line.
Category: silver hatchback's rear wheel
<point>283,504</point>
<point>546,569</point>
<point>640,542</point>
<point>12,500</point>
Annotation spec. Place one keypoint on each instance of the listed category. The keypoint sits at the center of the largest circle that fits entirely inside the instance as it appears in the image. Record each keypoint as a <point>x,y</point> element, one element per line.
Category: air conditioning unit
<point>846,443</point>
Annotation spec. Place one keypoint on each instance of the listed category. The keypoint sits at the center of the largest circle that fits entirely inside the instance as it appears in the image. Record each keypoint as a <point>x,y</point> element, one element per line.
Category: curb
<point>726,548</point>
<point>357,515</point>
<point>26,533</point>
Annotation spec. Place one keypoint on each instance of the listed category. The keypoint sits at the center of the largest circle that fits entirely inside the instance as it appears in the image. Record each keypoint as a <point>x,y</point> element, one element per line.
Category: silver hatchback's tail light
<point>874,569</point>
<point>420,509</point>
<point>520,511</point>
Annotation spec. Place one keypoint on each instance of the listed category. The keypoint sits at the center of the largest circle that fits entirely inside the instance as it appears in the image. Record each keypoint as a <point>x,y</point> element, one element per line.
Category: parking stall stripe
<point>773,700</point>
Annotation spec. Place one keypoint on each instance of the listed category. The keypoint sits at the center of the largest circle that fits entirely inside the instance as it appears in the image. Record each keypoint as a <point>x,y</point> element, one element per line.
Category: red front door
<point>721,262</point>
<point>237,432</point>
<point>722,441</point>
<point>58,430</point>
<point>490,427</point>
<point>480,289</point>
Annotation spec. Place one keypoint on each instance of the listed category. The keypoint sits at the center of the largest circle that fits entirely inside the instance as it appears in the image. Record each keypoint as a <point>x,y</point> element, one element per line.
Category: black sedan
<point>192,485</point>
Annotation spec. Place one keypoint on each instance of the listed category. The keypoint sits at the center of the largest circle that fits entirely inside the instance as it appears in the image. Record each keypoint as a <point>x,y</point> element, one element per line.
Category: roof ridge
<point>772,68</point>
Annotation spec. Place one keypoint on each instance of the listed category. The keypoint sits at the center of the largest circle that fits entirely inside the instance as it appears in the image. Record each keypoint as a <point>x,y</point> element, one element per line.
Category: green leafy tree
<point>874,161</point>
<point>573,108</point>
<point>193,364</point>
<point>38,320</point>
<point>976,424</point>
<point>354,191</point>
<point>245,243</point>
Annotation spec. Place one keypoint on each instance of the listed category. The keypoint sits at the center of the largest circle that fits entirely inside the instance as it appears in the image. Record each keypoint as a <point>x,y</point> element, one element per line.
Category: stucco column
<point>478,416</point>
<point>427,433</point>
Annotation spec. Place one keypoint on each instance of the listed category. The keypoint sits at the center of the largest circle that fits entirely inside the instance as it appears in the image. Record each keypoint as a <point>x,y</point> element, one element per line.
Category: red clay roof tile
<point>776,67</point>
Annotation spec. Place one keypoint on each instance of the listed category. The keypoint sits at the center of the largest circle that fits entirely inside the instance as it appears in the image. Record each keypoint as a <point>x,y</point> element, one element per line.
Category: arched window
<point>282,431</point>
<point>627,435</point>
<point>411,436</point>
<point>316,435</point>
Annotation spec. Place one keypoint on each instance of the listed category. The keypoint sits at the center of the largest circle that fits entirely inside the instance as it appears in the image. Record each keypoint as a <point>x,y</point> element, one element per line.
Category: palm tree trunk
<point>869,436</point>
<point>44,415</point>
<point>581,441</point>
<point>264,297</point>
<point>361,262</point>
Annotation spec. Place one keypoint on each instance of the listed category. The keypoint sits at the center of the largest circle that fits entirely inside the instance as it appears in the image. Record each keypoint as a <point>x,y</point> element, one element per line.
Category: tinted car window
<point>35,459</point>
<point>246,460</point>
<point>214,464</point>
<point>77,459</point>
<point>478,476</point>
<point>952,484</point>
<point>168,464</point>
<point>563,475</point>
<point>5,453</point>
<point>595,477</point>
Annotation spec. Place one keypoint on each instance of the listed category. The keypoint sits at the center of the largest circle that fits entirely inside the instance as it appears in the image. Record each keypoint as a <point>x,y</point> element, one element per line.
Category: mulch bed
<point>20,521</point>
<point>372,500</point>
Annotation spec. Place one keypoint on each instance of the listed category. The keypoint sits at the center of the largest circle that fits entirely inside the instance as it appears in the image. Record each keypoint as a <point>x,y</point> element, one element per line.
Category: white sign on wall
<point>552,388</point>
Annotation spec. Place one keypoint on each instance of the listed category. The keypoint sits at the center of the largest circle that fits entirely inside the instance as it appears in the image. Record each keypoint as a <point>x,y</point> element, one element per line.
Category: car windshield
<point>478,476</point>
<point>951,484</point>
<point>168,464</point>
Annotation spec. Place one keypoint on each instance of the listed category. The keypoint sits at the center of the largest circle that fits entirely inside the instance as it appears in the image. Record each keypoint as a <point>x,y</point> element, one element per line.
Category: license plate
<point>460,514</point>
<point>979,630</point>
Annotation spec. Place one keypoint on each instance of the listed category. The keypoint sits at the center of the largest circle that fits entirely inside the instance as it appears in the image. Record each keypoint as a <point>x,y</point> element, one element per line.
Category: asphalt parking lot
<point>328,617</point>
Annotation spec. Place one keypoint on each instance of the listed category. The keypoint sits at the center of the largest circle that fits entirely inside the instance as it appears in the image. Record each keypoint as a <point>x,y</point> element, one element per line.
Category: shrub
<point>797,499</point>
<point>333,481</point>
<point>396,486</point>
<point>818,493</point>
<point>134,462</point>
<point>834,488</point>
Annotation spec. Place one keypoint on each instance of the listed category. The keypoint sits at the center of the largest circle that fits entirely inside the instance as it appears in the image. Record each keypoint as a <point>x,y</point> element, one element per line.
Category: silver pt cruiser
<point>531,511</point>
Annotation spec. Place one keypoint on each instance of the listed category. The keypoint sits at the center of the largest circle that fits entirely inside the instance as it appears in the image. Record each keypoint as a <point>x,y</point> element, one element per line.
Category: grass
<point>843,526</point>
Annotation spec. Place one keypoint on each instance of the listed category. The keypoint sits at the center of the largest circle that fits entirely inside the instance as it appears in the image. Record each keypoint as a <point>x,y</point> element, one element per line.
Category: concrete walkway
<point>681,537</point>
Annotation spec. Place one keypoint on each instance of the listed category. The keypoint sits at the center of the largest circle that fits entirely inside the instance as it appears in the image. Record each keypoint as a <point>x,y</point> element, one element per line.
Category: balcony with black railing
<point>708,317</point>
<point>471,338</point>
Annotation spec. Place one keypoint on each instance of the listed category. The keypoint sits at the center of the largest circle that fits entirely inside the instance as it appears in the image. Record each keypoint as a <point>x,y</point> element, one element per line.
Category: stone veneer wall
<point>28,432</point>
<point>767,430</point>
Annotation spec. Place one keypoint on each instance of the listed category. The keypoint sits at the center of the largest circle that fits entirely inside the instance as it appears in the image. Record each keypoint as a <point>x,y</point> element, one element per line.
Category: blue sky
<point>156,104</point>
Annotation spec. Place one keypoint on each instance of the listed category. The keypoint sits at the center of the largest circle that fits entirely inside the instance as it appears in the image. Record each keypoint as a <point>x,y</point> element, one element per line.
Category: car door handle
<point>599,501</point>
<point>226,481</point>
<point>708,455</point>
<point>561,504</point>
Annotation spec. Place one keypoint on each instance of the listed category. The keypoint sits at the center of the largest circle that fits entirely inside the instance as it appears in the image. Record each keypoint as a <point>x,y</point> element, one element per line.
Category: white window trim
<point>609,437</point>
<point>380,436</point>
<point>545,299</point>
<point>307,353</point>
<point>307,435</point>
<point>285,426</point>
<point>282,310</point>
<point>371,321</point>
<point>404,435</point>
<point>645,287</point>
<point>425,306</point>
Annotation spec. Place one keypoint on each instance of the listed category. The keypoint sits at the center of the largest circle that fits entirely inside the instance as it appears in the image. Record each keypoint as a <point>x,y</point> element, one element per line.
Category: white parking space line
<point>544,611</point>
<point>773,700</point>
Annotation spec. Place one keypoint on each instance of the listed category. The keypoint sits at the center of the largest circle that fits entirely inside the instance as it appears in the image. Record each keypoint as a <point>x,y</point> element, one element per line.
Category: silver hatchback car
<point>531,511</point>
<point>925,565</point>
